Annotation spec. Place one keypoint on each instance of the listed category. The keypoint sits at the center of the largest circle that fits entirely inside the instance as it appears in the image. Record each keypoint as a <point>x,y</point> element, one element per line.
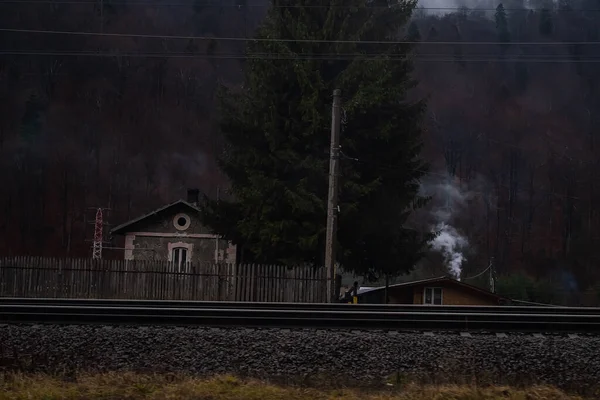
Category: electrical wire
<point>148,3</point>
<point>272,40</point>
<point>300,57</point>
<point>478,275</point>
<point>271,56</point>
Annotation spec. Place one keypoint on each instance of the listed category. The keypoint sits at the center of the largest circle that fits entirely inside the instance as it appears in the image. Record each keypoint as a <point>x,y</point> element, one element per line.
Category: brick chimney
<point>192,196</point>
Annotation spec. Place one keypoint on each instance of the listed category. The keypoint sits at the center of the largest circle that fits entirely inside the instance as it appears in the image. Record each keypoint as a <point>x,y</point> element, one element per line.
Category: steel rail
<point>298,306</point>
<point>349,318</point>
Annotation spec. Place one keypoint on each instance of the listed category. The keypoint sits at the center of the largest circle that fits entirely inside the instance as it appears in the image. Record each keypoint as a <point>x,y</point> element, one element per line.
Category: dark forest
<point>116,121</point>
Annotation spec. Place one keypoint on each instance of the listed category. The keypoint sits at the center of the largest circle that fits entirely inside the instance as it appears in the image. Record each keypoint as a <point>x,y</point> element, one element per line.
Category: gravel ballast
<point>560,360</point>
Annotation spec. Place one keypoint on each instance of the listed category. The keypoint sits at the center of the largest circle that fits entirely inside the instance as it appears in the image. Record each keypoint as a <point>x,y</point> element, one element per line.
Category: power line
<point>533,303</point>
<point>149,3</point>
<point>479,274</point>
<point>282,40</point>
<point>300,57</point>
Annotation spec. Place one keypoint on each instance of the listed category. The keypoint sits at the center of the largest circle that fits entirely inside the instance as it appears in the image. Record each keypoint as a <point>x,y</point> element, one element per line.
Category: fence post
<point>338,286</point>
<point>58,283</point>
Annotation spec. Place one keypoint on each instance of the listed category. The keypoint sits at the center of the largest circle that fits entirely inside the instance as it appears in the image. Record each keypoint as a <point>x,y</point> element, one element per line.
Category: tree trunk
<point>65,207</point>
<point>531,210</point>
<point>568,215</point>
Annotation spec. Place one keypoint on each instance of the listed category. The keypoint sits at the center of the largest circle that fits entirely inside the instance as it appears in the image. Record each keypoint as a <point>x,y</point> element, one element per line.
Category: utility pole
<point>99,224</point>
<point>332,202</point>
<point>217,239</point>
<point>98,235</point>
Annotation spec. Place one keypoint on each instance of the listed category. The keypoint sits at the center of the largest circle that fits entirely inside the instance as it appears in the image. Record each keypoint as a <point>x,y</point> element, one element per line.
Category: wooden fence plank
<point>248,282</point>
<point>262,283</point>
<point>280,286</point>
<point>272,290</point>
<point>136,279</point>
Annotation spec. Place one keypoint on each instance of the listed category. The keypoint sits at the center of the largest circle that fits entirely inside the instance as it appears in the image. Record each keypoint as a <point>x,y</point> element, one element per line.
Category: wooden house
<point>435,291</point>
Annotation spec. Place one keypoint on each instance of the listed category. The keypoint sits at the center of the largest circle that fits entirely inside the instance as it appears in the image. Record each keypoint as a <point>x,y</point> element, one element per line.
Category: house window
<point>179,257</point>
<point>432,295</point>
<point>181,222</point>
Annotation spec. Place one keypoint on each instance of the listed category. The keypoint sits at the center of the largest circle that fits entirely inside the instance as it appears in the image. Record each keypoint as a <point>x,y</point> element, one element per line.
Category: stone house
<point>174,233</point>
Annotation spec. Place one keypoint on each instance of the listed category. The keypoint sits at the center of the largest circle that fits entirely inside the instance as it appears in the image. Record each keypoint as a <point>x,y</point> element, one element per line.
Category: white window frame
<point>432,288</point>
<point>182,266</point>
<point>185,226</point>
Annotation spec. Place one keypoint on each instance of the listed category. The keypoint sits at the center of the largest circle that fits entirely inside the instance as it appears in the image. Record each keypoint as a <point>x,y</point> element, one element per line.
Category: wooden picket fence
<point>157,280</point>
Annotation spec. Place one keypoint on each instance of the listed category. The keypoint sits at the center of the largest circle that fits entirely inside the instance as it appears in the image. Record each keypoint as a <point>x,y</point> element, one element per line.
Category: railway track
<point>296,315</point>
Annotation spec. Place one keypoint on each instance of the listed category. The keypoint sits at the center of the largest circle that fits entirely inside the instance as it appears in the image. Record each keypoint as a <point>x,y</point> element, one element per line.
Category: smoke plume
<point>448,202</point>
<point>450,244</point>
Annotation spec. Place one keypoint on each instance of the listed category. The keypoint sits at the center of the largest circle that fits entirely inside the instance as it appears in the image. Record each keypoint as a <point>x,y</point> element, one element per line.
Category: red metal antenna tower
<point>98,231</point>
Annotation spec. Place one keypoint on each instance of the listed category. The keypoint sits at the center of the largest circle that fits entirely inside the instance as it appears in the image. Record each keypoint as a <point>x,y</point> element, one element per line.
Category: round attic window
<point>181,222</point>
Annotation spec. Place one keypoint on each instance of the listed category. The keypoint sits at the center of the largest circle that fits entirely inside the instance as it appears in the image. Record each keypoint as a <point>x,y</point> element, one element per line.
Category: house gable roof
<point>434,281</point>
<point>123,227</point>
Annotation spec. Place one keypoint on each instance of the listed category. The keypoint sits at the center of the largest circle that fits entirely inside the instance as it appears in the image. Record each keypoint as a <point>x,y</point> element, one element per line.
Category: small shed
<point>174,233</point>
<point>435,291</point>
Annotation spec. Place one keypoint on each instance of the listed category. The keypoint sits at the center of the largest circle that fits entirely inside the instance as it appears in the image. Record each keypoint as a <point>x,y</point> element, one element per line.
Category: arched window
<point>179,258</point>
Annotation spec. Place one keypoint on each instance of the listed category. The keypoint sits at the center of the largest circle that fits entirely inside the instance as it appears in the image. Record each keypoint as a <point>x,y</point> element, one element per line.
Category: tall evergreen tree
<point>31,123</point>
<point>206,16</point>
<point>277,127</point>
<point>517,19</point>
<point>413,32</point>
<point>458,53</point>
<point>501,24</point>
<point>546,22</point>
<point>565,6</point>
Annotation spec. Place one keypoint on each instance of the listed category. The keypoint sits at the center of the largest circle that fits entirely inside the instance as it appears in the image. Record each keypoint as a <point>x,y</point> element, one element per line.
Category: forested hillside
<point>128,122</point>
<point>109,121</point>
<point>516,126</point>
